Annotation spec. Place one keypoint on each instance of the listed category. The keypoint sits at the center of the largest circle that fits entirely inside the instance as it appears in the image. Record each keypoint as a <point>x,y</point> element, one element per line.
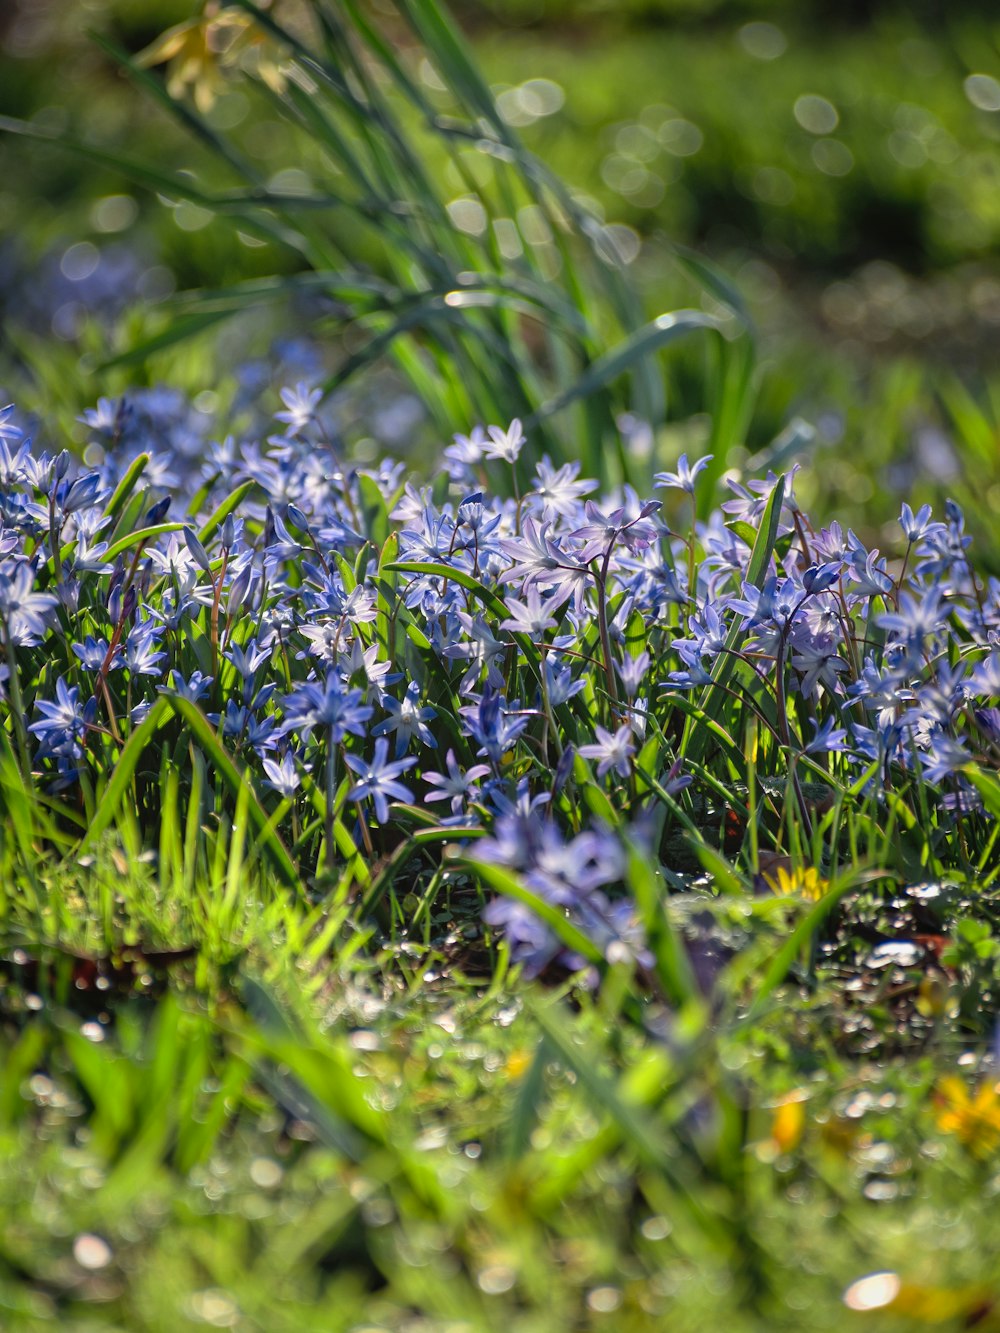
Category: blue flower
<point>282,775</point>
<point>828,739</point>
<point>93,652</point>
<point>916,526</point>
<point>247,660</point>
<point>193,689</point>
<point>337,710</point>
<point>407,719</point>
<point>611,751</point>
<point>141,656</point>
<point>505,444</point>
<point>300,404</point>
<point>917,619</point>
<point>63,723</point>
<point>24,614</point>
<point>532,617</point>
<point>870,578</point>
<point>493,724</point>
<point>379,779</point>
<point>455,786</point>
<point>945,757</point>
<point>685,477</point>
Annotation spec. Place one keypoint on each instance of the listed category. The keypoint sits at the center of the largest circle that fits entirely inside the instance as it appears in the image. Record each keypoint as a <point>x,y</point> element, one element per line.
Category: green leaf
<point>126,486</point>
<point>120,782</point>
<point>178,331</point>
<point>228,505</point>
<point>664,330</point>
<point>139,538</point>
<point>696,734</point>
<point>637,1132</point>
<point>236,780</point>
<point>673,967</point>
<point>987,786</point>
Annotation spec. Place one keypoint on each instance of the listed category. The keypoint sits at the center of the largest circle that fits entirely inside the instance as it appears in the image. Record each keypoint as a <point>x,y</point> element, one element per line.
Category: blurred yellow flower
<point>975,1120</point>
<point>935,999</point>
<point>806,882</point>
<point>197,51</point>
<point>518,1063</point>
<point>789,1121</point>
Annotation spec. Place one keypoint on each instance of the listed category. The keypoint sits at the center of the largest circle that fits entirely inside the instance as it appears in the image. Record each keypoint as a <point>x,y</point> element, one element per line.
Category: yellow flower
<point>789,1121</point>
<point>518,1063</point>
<point>802,883</point>
<point>975,1120</point>
<point>934,999</point>
<point>196,52</point>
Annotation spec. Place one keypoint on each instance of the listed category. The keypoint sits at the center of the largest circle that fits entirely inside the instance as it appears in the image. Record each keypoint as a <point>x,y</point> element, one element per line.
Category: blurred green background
<point>840,160</point>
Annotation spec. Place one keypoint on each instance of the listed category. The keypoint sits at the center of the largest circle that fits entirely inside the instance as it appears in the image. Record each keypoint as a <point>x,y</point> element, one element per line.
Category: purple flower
<point>455,786</point>
<point>611,751</point>
<point>282,775</point>
<point>337,710</point>
<point>24,614</point>
<point>532,617</point>
<point>407,719</point>
<point>685,477</point>
<point>505,444</point>
<point>63,723</point>
<point>379,779</point>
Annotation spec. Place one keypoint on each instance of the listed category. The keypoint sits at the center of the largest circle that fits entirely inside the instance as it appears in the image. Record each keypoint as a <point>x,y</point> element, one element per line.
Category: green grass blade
<point>664,330</point>
<point>696,736</point>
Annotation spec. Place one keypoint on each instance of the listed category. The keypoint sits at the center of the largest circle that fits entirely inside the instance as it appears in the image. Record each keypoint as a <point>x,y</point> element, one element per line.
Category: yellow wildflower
<point>195,53</point>
<point>806,882</point>
<point>975,1120</point>
<point>934,999</point>
<point>518,1063</point>
<point>789,1121</point>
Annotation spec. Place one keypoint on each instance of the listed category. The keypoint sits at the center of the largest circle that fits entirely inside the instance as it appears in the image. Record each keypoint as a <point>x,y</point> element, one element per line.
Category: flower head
<point>379,779</point>
<point>685,476</point>
<point>974,1120</point>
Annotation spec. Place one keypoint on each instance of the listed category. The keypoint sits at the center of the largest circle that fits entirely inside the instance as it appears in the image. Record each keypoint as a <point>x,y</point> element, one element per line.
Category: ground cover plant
<point>329,714</point>
<point>553,889</point>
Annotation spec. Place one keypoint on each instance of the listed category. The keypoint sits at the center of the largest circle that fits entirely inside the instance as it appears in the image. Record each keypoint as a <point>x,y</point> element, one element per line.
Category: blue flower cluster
<point>497,642</point>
